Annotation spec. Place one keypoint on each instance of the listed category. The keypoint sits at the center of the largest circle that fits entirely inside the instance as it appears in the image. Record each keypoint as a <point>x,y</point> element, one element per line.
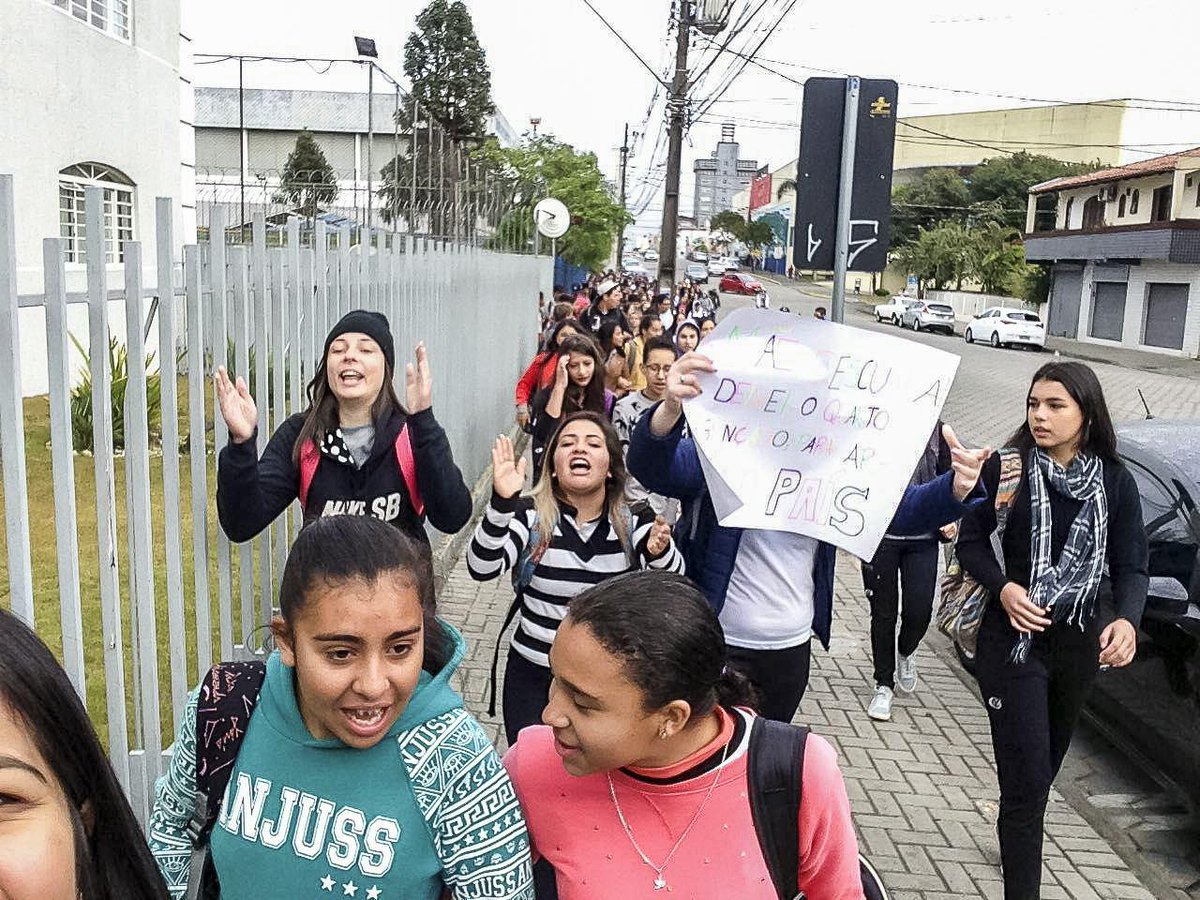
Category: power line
<point>617,34</point>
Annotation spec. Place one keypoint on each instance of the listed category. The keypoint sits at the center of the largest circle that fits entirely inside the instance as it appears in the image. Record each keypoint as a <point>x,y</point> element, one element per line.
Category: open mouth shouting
<point>366,722</point>
<point>580,465</point>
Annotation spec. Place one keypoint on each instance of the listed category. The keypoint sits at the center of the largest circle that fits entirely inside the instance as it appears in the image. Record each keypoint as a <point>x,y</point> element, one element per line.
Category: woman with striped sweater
<point>574,531</point>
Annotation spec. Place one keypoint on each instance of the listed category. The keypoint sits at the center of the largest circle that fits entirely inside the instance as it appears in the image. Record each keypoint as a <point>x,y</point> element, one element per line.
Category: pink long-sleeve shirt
<point>573,824</point>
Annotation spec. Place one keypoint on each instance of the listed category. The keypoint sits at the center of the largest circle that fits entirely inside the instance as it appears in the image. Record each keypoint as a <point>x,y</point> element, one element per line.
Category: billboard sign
<point>820,167</point>
<point>760,189</point>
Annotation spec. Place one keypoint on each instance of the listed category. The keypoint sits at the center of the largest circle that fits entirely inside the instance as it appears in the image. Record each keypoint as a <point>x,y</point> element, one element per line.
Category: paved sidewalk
<point>922,786</point>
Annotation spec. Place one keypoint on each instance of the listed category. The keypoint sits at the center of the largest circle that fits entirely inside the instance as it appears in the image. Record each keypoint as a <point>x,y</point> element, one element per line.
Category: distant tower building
<point>721,176</point>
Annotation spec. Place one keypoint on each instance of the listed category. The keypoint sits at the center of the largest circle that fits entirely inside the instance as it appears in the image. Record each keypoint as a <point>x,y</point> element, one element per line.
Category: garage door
<point>1166,310</point>
<point>1108,310</point>
<point>1064,301</point>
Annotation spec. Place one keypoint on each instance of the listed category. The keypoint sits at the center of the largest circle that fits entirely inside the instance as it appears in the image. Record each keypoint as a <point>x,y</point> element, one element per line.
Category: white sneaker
<point>906,673</point>
<point>881,704</point>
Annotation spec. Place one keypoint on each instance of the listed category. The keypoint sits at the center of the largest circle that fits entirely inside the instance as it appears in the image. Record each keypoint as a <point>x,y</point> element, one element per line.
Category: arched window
<point>1121,207</point>
<point>1133,201</point>
<point>1067,216</point>
<point>117,190</point>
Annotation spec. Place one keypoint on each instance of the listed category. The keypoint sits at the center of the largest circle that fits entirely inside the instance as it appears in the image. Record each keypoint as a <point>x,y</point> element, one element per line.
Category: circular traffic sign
<point>551,218</point>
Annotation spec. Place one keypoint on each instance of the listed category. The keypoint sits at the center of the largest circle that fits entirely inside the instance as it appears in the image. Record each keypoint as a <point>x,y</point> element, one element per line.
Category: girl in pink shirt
<point>637,782</point>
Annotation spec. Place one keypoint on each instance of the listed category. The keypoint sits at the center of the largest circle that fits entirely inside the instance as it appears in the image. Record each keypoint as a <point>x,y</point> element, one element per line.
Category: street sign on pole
<point>551,218</point>
<point>818,174</point>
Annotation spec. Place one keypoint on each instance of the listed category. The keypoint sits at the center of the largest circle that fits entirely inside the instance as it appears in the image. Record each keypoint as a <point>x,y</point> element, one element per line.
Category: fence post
<point>279,367</point>
<point>320,326</point>
<point>172,531</point>
<point>295,352</point>
<point>219,298</point>
<point>102,460</point>
<point>198,457</point>
<point>63,462</point>
<point>262,396</point>
<point>12,416</point>
<point>241,329</point>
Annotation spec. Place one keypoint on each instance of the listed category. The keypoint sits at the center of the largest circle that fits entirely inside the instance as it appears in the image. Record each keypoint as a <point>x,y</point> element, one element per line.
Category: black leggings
<point>780,677</point>
<point>1033,708</point>
<point>526,692</point>
<point>899,566</point>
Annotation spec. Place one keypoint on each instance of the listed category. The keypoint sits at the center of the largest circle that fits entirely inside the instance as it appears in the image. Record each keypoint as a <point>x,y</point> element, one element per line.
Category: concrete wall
<point>73,94</point>
<point>1135,303</point>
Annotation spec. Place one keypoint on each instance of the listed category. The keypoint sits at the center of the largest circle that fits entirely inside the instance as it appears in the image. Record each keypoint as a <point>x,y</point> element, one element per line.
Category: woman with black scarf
<point>1041,643</point>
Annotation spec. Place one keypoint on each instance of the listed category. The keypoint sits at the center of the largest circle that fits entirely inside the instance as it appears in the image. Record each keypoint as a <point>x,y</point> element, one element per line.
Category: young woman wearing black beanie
<point>355,451</point>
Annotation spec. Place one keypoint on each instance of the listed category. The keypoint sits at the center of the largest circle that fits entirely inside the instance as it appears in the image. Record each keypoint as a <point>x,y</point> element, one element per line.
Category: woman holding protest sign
<point>772,589</point>
<point>1041,643</point>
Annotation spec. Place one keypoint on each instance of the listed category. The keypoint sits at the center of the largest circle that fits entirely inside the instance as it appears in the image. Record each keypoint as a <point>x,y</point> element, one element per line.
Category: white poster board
<point>812,427</point>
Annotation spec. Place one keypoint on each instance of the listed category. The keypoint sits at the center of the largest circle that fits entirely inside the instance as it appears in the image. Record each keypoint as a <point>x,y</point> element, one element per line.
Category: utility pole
<point>677,103</point>
<point>624,164</point>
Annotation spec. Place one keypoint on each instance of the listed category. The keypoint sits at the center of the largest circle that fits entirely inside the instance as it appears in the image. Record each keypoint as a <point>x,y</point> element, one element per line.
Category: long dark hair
<point>1098,437</point>
<point>550,344</point>
<point>112,859</point>
<point>667,637</point>
<point>321,417</point>
<point>607,337</point>
<point>591,396</point>
<point>341,548</point>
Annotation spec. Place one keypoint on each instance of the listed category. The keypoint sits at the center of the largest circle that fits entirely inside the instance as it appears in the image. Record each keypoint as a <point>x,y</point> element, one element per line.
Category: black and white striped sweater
<point>578,556</point>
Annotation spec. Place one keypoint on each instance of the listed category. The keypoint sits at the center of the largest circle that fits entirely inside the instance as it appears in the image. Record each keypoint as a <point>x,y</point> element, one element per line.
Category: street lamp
<point>535,122</point>
<point>365,47</point>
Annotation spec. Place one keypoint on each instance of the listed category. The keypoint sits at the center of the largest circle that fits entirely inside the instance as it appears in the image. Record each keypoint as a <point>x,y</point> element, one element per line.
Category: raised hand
<point>508,472</point>
<point>681,379</point>
<point>966,464</point>
<point>561,376</point>
<point>418,382</point>
<point>237,406</point>
<point>660,538</point>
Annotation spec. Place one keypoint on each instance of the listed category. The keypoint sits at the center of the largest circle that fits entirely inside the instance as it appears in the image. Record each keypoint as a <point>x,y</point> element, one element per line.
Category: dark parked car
<point>1152,706</point>
<point>740,283</point>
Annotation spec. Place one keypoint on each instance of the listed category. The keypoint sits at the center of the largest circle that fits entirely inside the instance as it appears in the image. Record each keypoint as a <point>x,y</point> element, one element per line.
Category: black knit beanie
<point>374,325</point>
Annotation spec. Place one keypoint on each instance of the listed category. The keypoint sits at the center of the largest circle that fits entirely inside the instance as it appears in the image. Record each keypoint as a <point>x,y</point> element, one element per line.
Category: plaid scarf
<point>1067,591</point>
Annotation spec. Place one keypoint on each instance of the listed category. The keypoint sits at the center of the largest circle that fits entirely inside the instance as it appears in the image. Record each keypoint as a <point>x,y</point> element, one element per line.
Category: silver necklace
<point>660,880</point>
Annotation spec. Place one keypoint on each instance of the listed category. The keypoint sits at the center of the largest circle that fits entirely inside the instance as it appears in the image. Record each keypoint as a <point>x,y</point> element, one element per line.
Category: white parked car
<point>631,265</point>
<point>929,316</point>
<point>650,255</point>
<point>893,310</point>
<point>1003,326</point>
<point>716,267</point>
<point>731,264</point>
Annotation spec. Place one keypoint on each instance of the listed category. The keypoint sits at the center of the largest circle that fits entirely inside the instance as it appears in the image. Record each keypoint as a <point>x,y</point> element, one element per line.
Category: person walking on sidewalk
<point>660,356</point>
<point>642,778</point>
<point>772,589</point>
<point>578,387</point>
<point>605,308</point>
<point>909,564</point>
<point>575,530</point>
<point>1041,643</point>
<point>354,451</point>
<point>540,373</point>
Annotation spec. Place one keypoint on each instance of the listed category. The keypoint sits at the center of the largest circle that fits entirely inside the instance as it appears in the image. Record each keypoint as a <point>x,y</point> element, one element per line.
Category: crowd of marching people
<point>657,660</point>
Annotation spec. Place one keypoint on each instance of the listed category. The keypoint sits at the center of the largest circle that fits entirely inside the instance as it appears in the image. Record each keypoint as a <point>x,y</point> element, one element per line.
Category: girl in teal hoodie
<point>359,773</point>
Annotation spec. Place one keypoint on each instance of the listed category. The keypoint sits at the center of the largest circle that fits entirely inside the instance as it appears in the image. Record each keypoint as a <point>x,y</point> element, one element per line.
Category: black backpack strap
<point>508,619</point>
<point>228,696</point>
<point>775,769</point>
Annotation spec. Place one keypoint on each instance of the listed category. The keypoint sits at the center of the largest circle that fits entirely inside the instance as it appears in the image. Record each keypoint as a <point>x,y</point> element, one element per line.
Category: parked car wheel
<point>896,321</point>
<point>995,339</point>
<point>916,324</point>
<point>968,337</point>
<point>878,318</point>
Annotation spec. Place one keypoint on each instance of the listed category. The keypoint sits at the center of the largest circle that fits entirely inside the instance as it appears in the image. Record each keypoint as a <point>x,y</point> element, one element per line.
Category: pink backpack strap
<point>408,468</point>
<point>310,455</point>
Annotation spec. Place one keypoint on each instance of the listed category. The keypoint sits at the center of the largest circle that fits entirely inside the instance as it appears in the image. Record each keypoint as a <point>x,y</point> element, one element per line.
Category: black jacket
<point>1127,551</point>
<point>252,492</point>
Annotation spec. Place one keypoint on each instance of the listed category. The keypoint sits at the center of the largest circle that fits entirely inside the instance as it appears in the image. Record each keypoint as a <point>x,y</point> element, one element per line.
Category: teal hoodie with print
<point>427,808</point>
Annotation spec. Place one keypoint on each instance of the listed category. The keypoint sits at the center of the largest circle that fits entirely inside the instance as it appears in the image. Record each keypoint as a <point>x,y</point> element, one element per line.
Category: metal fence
<point>142,591</point>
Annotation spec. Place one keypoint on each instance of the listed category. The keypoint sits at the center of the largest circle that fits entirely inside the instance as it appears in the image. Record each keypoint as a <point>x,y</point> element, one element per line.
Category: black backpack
<point>775,765</point>
<point>228,696</point>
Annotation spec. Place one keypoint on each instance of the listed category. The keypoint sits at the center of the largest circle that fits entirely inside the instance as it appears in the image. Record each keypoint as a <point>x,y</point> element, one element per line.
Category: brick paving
<point>922,787</point>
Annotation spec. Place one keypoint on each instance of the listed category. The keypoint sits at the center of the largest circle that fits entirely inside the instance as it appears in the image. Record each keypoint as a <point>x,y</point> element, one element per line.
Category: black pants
<point>1033,708</point>
<point>908,567</point>
<point>526,692</point>
<point>779,676</point>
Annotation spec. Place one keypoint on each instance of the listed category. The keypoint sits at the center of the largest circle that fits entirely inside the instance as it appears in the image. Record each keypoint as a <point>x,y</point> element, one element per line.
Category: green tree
<point>940,256</point>
<point>998,262</point>
<point>1001,184</point>
<point>758,233</point>
<point>729,222</point>
<point>308,181</point>
<point>448,70</point>
<point>934,196</point>
<point>546,167</point>
<point>788,184</point>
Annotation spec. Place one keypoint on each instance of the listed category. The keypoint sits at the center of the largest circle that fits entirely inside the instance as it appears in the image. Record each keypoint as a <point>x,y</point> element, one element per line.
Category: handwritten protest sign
<point>812,427</point>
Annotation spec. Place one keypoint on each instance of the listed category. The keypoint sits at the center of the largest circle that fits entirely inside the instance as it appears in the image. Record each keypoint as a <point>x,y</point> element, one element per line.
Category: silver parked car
<point>929,316</point>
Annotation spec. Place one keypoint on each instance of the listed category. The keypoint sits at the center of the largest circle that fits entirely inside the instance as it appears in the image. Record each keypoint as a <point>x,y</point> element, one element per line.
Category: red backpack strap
<point>408,468</point>
<point>310,455</point>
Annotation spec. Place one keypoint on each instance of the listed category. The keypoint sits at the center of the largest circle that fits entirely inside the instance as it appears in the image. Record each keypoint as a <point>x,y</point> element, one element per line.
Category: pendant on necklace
<point>660,883</point>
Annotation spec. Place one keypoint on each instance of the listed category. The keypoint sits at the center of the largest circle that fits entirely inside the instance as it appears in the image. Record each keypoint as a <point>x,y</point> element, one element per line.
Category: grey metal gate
<point>1166,310</point>
<point>1065,298</point>
<point>1108,310</point>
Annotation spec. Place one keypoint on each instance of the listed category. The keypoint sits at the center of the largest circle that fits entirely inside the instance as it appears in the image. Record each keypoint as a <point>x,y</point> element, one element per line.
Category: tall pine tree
<point>308,180</point>
<point>448,70</point>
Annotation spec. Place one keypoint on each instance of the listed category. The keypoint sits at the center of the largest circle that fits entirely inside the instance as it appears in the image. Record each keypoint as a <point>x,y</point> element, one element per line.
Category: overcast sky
<point>554,59</point>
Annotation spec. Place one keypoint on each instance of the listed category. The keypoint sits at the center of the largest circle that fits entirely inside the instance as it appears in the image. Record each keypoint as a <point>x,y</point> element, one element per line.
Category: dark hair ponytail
<point>341,548</point>
<point>667,637</point>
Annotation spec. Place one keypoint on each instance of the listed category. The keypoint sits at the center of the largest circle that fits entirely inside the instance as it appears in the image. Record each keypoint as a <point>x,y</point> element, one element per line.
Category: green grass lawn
<point>45,565</point>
